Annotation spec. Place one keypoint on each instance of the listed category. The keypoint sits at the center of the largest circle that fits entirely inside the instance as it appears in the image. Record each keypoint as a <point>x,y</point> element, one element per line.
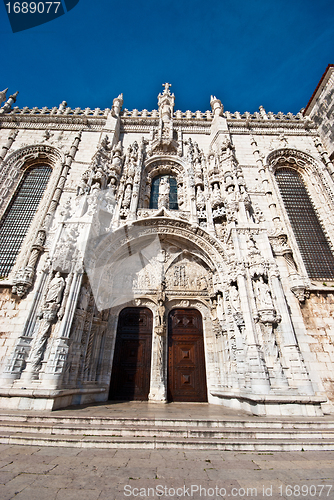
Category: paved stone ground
<point>55,473</point>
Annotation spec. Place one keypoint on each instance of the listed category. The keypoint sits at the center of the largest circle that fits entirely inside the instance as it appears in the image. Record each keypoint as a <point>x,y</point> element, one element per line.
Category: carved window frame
<point>313,174</point>
<point>160,167</point>
<point>13,171</point>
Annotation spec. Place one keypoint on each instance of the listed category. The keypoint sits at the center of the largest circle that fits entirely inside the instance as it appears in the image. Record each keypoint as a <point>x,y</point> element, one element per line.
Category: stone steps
<point>228,444</point>
<point>251,422</point>
<point>154,431</point>
<point>240,434</point>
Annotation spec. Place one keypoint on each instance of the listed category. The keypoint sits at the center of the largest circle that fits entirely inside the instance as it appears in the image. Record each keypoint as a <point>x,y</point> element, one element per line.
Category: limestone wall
<point>318,316</point>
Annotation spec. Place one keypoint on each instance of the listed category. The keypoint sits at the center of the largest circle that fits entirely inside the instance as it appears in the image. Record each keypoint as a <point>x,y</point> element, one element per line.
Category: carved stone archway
<point>179,266</point>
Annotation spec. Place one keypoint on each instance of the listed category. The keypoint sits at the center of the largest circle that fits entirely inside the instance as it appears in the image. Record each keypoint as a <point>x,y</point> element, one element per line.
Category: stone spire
<point>9,103</point>
<point>3,95</point>
<point>166,103</point>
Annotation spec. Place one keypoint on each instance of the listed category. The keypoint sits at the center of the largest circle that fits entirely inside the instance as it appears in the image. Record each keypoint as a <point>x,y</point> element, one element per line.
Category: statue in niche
<point>131,169</point>
<point>83,185</point>
<point>235,299</point>
<point>160,313</point>
<point>216,196</point>
<point>161,309</point>
<point>84,298</point>
<point>200,199</point>
<point>127,196</point>
<point>55,289</point>
<point>164,188</point>
<point>105,143</point>
<point>257,214</point>
<point>112,186</point>
<point>47,316</point>
<point>263,294</point>
<point>212,161</point>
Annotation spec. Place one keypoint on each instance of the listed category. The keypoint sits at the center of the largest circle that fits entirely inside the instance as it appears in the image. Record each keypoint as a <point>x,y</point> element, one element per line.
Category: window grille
<point>19,215</point>
<point>173,204</point>
<point>310,237</point>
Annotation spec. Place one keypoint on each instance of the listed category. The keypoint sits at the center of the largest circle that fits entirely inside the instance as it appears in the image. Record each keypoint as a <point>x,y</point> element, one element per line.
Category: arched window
<point>19,215</point>
<point>156,190</point>
<point>310,237</point>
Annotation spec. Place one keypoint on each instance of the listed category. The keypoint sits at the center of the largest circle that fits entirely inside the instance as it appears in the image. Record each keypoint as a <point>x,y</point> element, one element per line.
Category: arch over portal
<point>135,259</point>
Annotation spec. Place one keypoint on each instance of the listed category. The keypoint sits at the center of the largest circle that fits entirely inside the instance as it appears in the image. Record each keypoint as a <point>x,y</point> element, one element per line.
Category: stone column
<point>192,196</point>
<point>265,183</point>
<point>8,145</point>
<point>293,364</point>
<point>258,375</point>
<point>8,105</point>
<point>158,381</point>
<point>325,156</point>
<point>52,371</point>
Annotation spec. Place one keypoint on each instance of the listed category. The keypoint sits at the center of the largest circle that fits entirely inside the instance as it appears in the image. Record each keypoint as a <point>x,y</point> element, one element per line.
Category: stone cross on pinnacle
<point>166,85</point>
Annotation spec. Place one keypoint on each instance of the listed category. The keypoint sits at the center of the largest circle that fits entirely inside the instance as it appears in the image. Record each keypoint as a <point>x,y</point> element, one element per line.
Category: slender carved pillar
<point>7,106</point>
<point>265,183</point>
<point>259,377</point>
<point>52,371</point>
<point>325,156</point>
<point>158,389</point>
<point>136,184</point>
<point>8,145</point>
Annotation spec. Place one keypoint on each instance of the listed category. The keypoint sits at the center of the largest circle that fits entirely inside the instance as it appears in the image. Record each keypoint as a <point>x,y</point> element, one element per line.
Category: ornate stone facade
<point>166,210</point>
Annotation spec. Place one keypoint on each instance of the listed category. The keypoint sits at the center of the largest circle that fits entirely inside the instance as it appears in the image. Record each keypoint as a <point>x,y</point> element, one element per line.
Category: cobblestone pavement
<point>56,473</point>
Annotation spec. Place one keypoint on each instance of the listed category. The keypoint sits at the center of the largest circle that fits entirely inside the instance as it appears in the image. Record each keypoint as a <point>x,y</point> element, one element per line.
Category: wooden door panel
<point>186,363</point>
<point>130,379</point>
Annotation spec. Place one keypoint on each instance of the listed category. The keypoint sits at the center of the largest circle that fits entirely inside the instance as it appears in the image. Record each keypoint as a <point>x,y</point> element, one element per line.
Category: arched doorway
<point>130,378</point>
<point>186,361</point>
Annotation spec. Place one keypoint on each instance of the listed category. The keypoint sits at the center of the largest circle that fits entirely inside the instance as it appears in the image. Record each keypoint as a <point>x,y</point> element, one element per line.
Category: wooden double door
<point>186,374</point>
<point>130,377</point>
<point>186,379</point>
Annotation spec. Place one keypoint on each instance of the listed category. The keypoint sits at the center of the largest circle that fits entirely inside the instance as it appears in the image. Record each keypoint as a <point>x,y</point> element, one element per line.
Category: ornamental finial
<point>166,85</point>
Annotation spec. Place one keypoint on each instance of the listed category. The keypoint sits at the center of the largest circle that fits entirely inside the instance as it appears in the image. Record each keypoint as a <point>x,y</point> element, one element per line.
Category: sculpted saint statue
<point>55,289</point>
<point>234,299</point>
<point>127,196</point>
<point>262,294</point>
<point>164,188</point>
<point>161,313</point>
<point>84,298</point>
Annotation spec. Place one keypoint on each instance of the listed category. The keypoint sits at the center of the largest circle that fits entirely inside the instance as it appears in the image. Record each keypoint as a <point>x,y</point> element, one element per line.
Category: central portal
<point>186,361</point>
<point>130,378</point>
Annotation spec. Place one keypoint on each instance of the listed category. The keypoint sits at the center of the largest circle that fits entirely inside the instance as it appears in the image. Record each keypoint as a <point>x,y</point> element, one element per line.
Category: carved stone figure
<point>234,299</point>
<point>263,294</point>
<point>200,198</point>
<point>83,185</point>
<point>84,298</point>
<point>164,188</point>
<point>55,289</point>
<point>127,196</point>
<point>160,313</point>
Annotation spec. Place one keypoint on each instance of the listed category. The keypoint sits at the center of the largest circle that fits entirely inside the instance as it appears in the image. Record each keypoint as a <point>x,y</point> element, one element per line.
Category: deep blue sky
<point>246,52</point>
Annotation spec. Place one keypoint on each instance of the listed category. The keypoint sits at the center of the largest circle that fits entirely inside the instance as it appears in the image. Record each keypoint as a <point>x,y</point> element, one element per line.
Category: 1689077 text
<point>32,7</point>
